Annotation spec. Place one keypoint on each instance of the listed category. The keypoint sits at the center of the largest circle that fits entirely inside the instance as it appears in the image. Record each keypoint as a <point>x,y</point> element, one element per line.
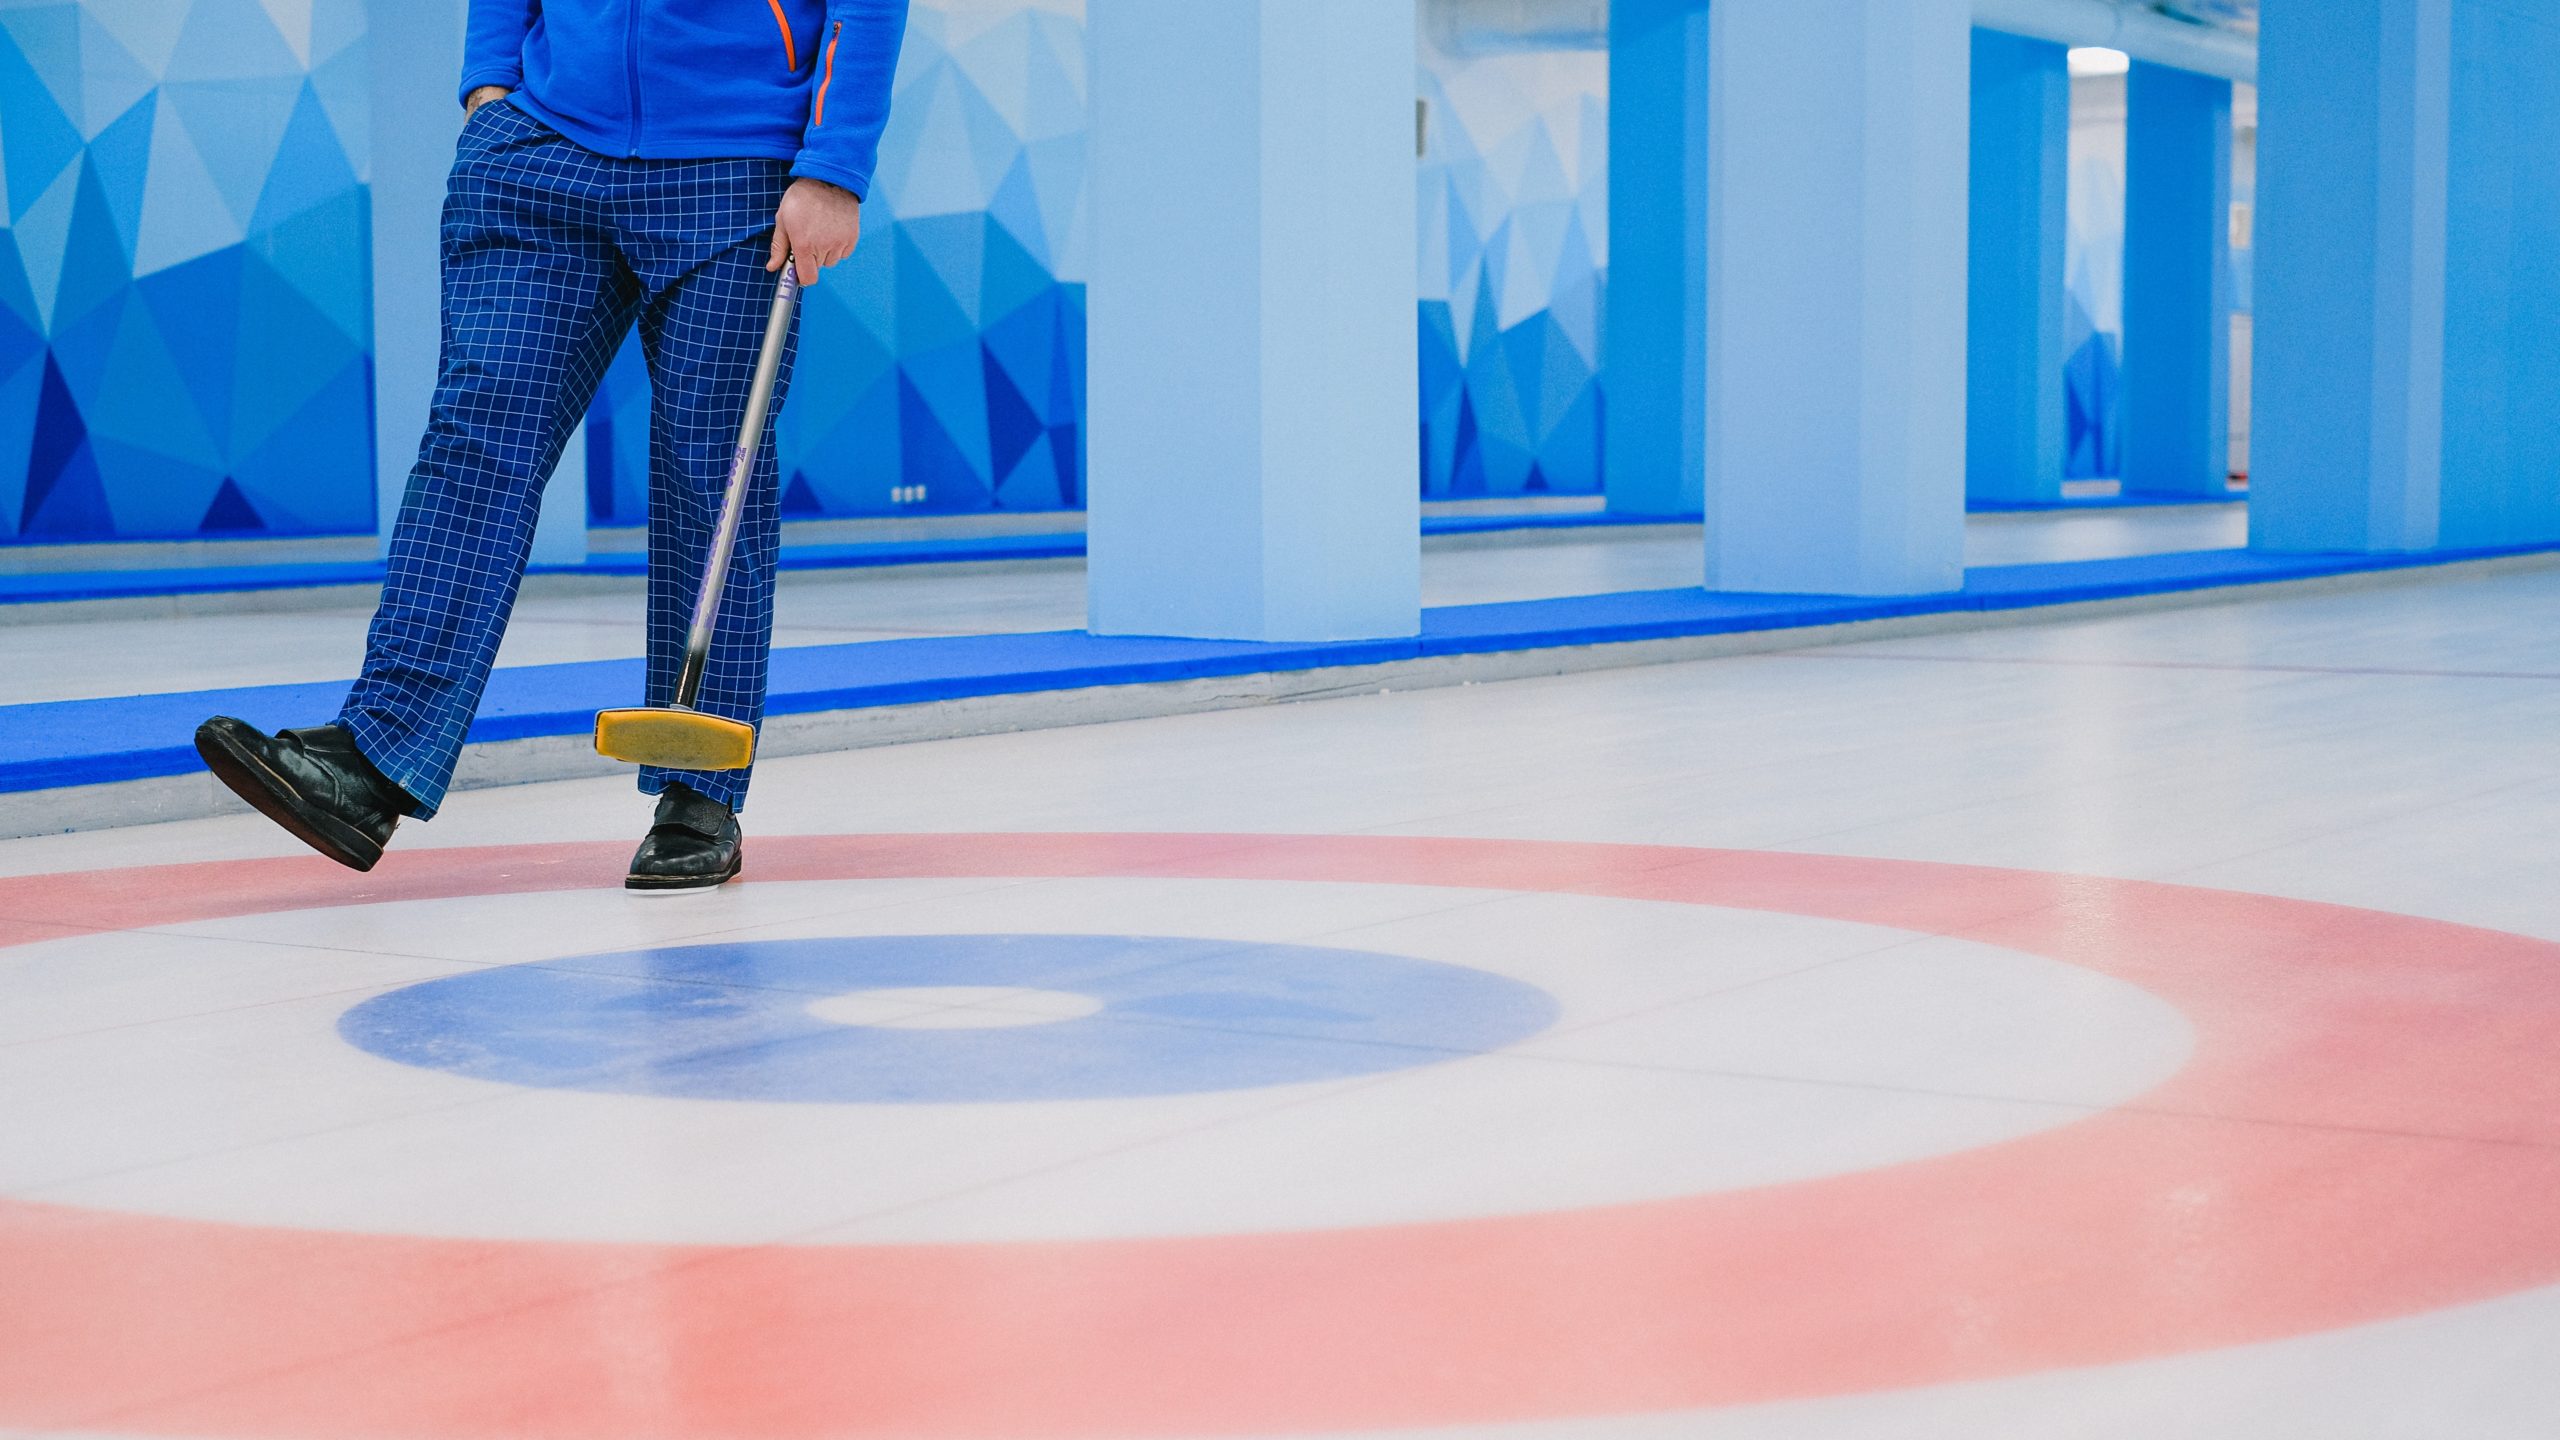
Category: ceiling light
<point>2097,60</point>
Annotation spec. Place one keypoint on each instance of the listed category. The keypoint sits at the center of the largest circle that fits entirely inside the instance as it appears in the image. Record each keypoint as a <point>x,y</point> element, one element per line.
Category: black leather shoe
<point>695,845</point>
<point>314,783</point>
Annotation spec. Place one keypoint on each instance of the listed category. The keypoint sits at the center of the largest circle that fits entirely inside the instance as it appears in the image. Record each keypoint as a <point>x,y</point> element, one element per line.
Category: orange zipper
<point>833,36</point>
<point>790,47</point>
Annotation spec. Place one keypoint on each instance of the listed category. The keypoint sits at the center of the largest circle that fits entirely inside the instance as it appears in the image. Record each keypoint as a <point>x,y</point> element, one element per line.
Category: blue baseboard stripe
<point>135,737</point>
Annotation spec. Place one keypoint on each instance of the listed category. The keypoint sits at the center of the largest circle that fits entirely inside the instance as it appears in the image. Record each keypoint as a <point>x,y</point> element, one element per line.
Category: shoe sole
<point>665,884</point>
<point>271,795</point>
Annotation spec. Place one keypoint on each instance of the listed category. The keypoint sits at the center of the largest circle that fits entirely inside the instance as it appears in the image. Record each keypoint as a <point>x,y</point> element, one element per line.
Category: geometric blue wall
<point>942,368</point>
<point>953,343</point>
<point>1514,190</point>
<point>2093,384</point>
<point>185,305</point>
<point>2093,323</point>
<point>184,288</point>
<point>184,277</point>
<point>2093,312</point>
<point>185,292</point>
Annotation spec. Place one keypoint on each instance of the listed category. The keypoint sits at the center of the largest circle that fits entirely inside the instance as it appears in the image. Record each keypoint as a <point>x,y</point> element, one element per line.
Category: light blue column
<point>1656,334</point>
<point>2501,390</point>
<point>1254,403</point>
<point>2355,121</point>
<point>2177,282</point>
<point>2014,406</point>
<point>416,61</point>
<point>2408,307</point>
<point>1836,276</point>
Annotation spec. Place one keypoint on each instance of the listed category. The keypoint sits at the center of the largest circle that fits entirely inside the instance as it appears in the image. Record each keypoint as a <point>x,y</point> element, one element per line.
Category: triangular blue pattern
<point>309,167</point>
<point>1066,450</point>
<point>74,504</point>
<point>1513,192</point>
<point>95,269</point>
<point>933,461</point>
<point>20,331</point>
<point>231,511</point>
<point>124,148</point>
<point>197,305</point>
<point>59,436</point>
<point>328,440</point>
<point>22,379</point>
<point>38,139</point>
<point>1030,483</point>
<point>275,395</point>
<point>1466,456</point>
<point>1013,427</point>
<point>2091,380</point>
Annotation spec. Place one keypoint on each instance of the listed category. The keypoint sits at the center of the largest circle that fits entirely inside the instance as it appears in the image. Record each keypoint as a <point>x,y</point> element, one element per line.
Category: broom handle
<point>742,466</point>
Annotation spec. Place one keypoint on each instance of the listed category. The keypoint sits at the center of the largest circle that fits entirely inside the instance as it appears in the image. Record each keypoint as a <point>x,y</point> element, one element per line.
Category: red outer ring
<point>2370,1127</point>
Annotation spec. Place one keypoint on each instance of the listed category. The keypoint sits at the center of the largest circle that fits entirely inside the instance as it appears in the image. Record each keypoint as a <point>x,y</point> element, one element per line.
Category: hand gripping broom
<point>676,736</point>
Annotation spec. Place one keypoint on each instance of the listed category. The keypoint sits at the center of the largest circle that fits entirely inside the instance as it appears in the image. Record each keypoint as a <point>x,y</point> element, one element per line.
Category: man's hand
<point>472,102</point>
<point>818,223</point>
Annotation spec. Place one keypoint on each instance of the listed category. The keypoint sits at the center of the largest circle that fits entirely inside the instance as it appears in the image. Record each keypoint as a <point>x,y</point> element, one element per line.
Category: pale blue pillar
<point>1656,335</point>
<point>2177,282</point>
<point>416,60</point>
<point>2347,405</point>
<point>2408,309</point>
<point>1836,276</point>
<point>2501,468</point>
<point>2015,433</point>
<point>1254,404</point>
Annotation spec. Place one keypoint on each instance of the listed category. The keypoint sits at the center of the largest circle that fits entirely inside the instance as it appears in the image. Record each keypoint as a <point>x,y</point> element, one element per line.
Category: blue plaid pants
<point>550,254</point>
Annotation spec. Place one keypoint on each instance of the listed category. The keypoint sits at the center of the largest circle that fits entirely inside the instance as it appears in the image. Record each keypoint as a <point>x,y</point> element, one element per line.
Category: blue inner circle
<point>731,1021</point>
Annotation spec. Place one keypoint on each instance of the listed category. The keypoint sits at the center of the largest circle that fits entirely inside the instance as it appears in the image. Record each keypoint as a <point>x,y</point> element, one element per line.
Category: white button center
<point>954,1007</point>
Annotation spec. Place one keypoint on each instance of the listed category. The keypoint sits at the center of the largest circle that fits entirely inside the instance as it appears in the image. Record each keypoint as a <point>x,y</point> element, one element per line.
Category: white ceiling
<point>1492,26</point>
<point>2232,14</point>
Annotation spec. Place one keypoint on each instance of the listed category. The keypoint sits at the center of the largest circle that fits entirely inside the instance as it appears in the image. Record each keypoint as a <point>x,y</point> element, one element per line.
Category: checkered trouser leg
<point>549,252</point>
<point>701,330</point>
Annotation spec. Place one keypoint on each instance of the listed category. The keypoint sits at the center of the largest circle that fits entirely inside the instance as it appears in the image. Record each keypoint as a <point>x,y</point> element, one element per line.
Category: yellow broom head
<point>674,739</point>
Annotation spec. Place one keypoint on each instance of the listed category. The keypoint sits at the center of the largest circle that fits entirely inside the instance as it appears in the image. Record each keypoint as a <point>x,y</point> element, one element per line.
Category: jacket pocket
<point>790,47</point>
<point>834,36</point>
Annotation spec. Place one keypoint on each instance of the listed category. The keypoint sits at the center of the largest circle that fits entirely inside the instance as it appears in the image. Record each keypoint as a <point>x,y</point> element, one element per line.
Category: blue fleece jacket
<point>800,80</point>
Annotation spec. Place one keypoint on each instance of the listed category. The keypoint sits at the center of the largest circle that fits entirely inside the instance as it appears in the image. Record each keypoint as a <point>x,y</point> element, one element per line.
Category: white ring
<point>1699,1049</point>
